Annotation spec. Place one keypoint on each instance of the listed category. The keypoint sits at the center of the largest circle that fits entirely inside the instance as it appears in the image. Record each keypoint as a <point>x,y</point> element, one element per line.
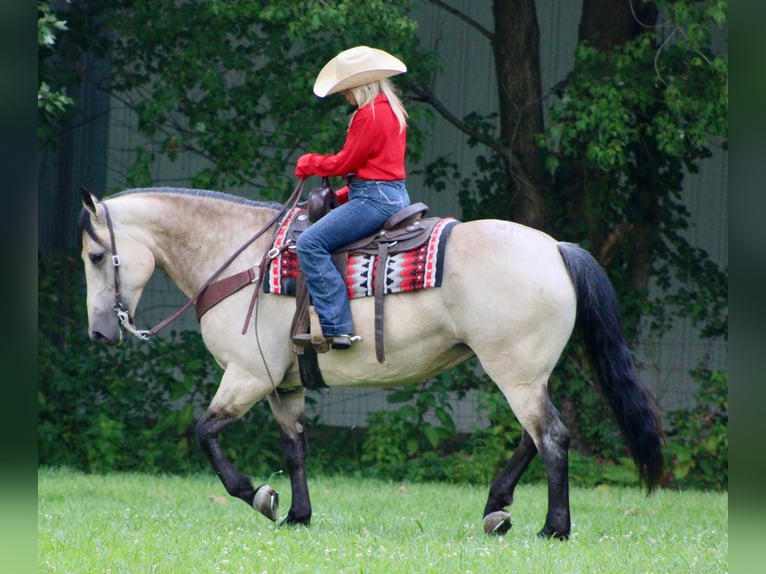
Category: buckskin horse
<point>510,295</point>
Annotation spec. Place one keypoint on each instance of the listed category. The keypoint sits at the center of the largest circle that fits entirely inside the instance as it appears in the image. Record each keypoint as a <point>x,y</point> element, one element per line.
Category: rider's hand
<point>302,168</point>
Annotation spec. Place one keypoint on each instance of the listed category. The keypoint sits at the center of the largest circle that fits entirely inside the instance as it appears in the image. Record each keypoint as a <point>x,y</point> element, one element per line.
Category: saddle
<point>403,231</point>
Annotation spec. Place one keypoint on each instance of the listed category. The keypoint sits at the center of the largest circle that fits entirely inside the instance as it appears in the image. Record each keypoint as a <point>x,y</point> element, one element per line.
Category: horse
<point>511,296</point>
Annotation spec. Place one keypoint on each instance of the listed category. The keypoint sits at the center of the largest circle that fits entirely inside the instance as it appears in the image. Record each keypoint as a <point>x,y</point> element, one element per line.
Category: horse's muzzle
<point>113,339</point>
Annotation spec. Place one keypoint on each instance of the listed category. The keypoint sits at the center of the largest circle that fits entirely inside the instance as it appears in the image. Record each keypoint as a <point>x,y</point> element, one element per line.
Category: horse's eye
<point>96,258</point>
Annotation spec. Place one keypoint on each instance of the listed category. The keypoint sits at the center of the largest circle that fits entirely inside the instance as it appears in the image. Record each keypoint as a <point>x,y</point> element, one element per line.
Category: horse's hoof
<point>266,501</point>
<point>497,523</point>
<point>292,521</point>
<point>547,532</point>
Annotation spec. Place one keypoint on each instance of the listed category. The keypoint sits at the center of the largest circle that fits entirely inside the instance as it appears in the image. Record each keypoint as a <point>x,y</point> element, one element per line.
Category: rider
<point>373,158</point>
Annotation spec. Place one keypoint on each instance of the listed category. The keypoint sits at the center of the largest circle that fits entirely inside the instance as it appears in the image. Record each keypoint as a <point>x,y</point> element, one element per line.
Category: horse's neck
<point>191,237</point>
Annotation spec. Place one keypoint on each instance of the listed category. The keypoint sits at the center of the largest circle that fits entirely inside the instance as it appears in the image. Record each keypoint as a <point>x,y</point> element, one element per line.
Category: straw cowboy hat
<point>356,67</point>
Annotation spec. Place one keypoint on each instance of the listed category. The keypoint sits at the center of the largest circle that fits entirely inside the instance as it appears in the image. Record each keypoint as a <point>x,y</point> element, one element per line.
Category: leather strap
<point>308,366</point>
<point>218,291</point>
<point>267,257</point>
<point>380,288</point>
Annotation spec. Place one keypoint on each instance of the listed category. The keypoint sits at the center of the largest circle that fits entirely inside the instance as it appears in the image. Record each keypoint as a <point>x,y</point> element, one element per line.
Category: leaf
<point>431,434</point>
<point>400,396</point>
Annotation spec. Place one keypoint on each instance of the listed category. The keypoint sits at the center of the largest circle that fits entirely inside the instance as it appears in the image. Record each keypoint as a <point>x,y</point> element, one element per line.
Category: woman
<point>373,155</point>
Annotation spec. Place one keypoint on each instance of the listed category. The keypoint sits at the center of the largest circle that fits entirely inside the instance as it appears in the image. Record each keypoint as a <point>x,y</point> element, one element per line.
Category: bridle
<point>123,315</point>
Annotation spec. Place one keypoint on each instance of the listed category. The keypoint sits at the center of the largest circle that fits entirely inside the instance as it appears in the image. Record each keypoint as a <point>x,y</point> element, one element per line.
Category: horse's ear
<point>89,200</point>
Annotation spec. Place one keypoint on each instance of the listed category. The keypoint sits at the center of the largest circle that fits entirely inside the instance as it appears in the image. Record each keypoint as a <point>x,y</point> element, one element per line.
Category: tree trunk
<point>605,24</point>
<point>517,62</point>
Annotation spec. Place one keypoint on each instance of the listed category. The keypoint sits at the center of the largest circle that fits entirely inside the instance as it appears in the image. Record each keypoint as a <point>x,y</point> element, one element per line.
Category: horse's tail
<point>598,318</point>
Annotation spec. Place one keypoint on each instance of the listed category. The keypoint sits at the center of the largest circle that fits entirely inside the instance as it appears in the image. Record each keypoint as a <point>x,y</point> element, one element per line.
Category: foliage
<point>593,430</point>
<point>131,408</point>
<point>698,440</point>
<point>631,123</point>
<point>398,440</point>
<point>482,192</point>
<point>52,99</point>
<point>418,442</point>
<point>231,82</point>
<point>397,444</point>
<point>624,129</point>
<point>134,408</point>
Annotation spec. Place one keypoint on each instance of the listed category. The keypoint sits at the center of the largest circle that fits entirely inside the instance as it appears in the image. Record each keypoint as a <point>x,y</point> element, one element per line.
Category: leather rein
<point>126,321</point>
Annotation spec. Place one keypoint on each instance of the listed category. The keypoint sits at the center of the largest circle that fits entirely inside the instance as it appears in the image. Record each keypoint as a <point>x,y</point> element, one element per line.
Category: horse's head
<point>118,266</point>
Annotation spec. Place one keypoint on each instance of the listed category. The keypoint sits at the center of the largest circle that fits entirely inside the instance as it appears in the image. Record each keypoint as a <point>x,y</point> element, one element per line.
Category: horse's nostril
<point>101,339</point>
<point>98,337</point>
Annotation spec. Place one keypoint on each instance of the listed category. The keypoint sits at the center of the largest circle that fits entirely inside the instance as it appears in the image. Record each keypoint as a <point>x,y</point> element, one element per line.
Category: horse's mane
<point>200,193</point>
<point>85,224</point>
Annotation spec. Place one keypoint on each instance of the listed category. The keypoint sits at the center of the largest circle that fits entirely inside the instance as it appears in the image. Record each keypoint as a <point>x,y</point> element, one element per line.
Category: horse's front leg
<point>289,410</point>
<point>262,498</point>
<point>230,403</point>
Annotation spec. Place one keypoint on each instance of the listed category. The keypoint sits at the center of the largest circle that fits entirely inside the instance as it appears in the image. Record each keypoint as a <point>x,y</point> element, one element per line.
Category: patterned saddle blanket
<point>419,268</point>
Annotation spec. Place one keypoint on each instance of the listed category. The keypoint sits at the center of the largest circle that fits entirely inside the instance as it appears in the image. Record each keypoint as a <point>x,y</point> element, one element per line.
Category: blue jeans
<point>370,204</point>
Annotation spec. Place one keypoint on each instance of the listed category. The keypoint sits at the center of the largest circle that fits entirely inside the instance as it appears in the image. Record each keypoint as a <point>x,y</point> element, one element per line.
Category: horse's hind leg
<point>497,520</point>
<point>544,433</point>
<point>554,450</point>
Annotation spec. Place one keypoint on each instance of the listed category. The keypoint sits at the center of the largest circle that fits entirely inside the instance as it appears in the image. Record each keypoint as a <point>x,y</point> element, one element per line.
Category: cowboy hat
<point>356,67</point>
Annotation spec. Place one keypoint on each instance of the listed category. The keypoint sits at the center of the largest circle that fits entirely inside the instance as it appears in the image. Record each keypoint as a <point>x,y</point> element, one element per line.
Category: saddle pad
<point>421,268</point>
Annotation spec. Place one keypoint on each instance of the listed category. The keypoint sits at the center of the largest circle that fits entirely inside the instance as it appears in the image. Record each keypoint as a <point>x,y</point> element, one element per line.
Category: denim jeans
<point>369,205</point>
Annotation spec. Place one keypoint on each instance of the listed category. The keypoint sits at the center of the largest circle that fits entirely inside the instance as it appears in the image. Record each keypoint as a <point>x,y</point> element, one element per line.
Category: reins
<point>124,316</point>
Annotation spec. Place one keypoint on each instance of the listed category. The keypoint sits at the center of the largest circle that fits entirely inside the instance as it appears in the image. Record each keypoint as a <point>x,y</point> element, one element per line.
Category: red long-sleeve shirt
<point>374,147</point>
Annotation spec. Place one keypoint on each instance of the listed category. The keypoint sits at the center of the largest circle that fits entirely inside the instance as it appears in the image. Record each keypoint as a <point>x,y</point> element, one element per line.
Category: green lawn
<point>132,523</point>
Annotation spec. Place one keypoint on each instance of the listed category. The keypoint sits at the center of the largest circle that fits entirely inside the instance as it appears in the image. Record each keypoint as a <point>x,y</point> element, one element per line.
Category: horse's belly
<point>419,342</point>
<point>399,368</point>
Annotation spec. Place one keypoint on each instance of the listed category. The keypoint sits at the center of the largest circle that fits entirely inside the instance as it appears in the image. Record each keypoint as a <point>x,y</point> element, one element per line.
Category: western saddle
<point>403,231</point>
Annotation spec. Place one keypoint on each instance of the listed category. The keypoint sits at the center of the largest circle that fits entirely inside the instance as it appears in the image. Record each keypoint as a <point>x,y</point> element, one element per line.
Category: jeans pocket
<point>392,197</point>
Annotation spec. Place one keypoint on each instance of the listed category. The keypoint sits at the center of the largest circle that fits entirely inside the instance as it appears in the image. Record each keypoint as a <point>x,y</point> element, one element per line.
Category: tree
<point>645,102</point>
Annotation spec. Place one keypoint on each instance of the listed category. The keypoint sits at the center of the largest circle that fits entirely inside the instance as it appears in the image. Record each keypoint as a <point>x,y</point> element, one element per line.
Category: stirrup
<point>339,342</point>
<point>343,341</point>
<point>305,341</point>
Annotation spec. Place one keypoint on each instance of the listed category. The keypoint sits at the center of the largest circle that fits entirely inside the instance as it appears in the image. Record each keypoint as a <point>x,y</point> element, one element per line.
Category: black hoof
<point>292,521</point>
<point>548,532</point>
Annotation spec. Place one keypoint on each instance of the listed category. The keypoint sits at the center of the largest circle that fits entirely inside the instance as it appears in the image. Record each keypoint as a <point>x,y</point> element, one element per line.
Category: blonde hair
<point>367,93</point>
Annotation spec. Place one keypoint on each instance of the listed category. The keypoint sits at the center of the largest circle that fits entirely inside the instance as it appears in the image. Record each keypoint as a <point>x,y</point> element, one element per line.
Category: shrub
<point>698,441</point>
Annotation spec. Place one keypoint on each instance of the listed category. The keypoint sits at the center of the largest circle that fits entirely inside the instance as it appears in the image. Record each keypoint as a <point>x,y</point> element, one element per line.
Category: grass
<point>133,523</point>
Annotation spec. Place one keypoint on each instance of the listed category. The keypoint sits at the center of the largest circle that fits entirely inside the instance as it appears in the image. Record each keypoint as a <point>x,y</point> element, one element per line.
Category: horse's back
<point>509,258</point>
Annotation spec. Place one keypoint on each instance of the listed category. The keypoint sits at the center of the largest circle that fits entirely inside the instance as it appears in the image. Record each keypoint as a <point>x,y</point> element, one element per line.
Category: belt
<point>351,178</point>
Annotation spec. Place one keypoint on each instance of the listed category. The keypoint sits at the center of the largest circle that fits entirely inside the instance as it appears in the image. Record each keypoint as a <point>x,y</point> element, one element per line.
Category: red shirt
<point>374,147</point>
